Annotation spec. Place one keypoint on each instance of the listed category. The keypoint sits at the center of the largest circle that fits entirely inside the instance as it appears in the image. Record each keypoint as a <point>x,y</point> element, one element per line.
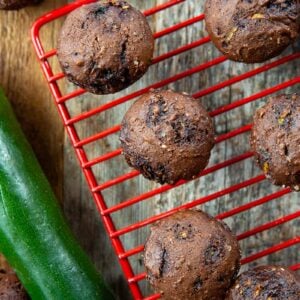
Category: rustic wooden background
<point>24,84</point>
<point>21,79</point>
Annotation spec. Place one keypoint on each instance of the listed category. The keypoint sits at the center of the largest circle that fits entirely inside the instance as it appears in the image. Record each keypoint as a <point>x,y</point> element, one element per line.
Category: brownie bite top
<point>167,136</point>
<point>252,30</point>
<point>275,140</point>
<point>191,255</point>
<point>266,283</point>
<point>105,46</point>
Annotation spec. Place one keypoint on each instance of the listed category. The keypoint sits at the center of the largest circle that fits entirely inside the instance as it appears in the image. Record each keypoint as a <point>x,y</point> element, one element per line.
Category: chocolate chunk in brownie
<point>266,283</point>
<point>252,31</point>
<point>167,136</point>
<point>191,255</point>
<point>105,46</point>
<point>275,140</point>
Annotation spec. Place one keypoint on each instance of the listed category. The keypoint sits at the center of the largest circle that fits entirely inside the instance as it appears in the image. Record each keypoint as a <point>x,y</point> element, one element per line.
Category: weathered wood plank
<point>22,80</point>
<point>81,211</point>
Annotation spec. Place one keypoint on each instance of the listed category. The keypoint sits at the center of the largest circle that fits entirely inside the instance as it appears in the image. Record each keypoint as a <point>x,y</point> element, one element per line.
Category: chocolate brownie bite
<point>266,283</point>
<point>105,46</point>
<point>252,31</point>
<point>275,140</point>
<point>167,136</point>
<point>16,4</point>
<point>11,288</point>
<point>191,255</point>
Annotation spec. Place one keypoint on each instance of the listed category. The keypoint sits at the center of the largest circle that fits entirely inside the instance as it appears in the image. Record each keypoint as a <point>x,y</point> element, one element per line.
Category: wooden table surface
<point>23,83</point>
<point>26,88</point>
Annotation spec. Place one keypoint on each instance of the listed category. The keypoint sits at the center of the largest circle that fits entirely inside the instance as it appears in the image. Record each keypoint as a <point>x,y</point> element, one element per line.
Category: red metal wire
<point>295,267</point>
<point>224,215</point>
<point>214,113</point>
<point>269,225</point>
<point>245,260</point>
<point>271,250</point>
<point>252,204</point>
<point>117,152</point>
<point>96,187</point>
<point>192,204</point>
<point>157,85</point>
<point>166,188</point>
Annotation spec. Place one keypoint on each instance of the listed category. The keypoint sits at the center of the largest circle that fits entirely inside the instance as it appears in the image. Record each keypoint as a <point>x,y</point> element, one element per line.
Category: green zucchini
<point>34,236</point>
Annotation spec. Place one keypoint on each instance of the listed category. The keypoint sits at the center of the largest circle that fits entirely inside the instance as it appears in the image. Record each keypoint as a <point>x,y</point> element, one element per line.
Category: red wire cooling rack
<point>96,188</point>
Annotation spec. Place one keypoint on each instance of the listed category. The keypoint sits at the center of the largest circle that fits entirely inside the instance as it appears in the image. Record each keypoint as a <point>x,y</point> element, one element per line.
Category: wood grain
<point>37,113</point>
<point>23,83</point>
<point>80,210</point>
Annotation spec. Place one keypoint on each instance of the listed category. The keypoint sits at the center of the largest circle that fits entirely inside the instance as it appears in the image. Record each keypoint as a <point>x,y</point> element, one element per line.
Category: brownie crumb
<point>266,283</point>
<point>252,31</point>
<point>191,255</point>
<point>275,140</point>
<point>167,136</point>
<point>105,46</point>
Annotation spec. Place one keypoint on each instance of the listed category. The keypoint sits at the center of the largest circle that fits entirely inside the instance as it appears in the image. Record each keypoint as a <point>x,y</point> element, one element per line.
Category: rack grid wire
<point>96,187</point>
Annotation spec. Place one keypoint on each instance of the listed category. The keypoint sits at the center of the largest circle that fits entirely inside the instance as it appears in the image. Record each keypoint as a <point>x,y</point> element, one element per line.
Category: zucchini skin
<point>34,236</point>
